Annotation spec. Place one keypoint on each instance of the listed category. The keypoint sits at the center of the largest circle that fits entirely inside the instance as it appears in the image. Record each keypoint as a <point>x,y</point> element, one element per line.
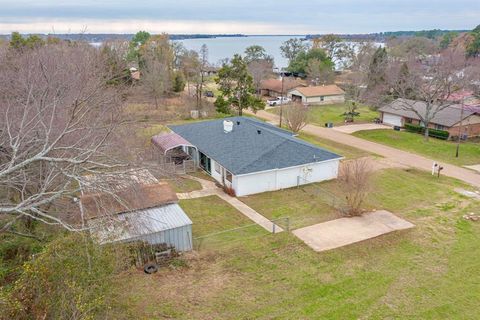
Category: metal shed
<point>139,208</point>
<point>165,224</point>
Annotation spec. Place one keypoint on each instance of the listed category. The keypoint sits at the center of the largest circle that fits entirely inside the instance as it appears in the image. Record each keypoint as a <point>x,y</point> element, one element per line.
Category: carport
<point>174,147</point>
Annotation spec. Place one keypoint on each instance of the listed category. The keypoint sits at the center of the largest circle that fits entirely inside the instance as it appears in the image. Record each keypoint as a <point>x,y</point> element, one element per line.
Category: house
<point>273,87</point>
<point>448,119</point>
<point>138,212</point>
<point>328,94</point>
<point>249,156</point>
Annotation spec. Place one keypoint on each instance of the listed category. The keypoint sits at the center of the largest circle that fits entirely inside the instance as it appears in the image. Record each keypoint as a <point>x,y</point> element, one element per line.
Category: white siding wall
<point>285,178</point>
<point>218,176</point>
<point>215,175</point>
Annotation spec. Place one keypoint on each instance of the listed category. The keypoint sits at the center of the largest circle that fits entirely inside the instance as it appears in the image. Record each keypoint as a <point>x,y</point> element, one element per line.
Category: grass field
<point>334,113</point>
<point>435,149</point>
<point>344,150</point>
<point>429,272</point>
<point>181,185</point>
<point>312,203</point>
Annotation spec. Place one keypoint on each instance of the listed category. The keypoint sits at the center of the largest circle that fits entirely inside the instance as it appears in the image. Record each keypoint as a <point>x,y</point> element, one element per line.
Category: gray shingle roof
<point>447,117</point>
<point>245,151</point>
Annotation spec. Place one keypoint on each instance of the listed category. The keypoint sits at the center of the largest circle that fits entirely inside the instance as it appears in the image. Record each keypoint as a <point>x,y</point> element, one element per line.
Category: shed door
<point>392,119</point>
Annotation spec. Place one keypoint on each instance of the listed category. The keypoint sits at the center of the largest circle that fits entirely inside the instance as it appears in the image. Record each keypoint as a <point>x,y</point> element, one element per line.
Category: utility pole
<point>281,100</point>
<point>460,127</point>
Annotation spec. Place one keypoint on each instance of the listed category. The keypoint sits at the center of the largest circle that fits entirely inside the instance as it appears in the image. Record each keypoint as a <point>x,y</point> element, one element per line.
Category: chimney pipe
<point>227,126</point>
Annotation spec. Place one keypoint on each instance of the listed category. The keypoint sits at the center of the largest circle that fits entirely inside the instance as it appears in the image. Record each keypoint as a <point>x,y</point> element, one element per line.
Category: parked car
<point>209,94</point>
<point>278,101</point>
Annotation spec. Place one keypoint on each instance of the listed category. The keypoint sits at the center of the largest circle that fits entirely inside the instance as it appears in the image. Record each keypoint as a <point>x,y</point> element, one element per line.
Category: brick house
<point>448,119</point>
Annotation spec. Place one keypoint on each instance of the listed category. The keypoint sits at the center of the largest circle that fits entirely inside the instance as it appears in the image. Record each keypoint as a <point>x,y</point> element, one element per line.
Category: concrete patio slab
<point>344,231</point>
<point>351,128</point>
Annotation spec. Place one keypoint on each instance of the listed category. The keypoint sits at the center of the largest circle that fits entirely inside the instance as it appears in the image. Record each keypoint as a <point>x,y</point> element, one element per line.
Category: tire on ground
<point>150,268</point>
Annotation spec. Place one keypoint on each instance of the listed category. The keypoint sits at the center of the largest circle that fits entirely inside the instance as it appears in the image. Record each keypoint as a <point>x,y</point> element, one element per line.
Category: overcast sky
<point>236,16</point>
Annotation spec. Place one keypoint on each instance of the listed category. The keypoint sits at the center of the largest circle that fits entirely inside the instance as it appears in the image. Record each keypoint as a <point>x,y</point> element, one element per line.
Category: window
<point>217,168</point>
<point>408,120</point>
<point>322,98</point>
<point>228,176</point>
<point>439,127</point>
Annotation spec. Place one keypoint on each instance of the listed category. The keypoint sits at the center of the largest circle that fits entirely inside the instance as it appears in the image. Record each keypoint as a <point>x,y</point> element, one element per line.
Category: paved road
<point>394,155</point>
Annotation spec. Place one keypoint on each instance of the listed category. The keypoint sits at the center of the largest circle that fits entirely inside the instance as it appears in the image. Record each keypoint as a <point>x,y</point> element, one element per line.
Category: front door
<point>205,163</point>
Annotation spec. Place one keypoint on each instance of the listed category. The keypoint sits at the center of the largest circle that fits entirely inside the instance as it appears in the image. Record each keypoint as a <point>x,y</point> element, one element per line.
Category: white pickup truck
<point>278,101</point>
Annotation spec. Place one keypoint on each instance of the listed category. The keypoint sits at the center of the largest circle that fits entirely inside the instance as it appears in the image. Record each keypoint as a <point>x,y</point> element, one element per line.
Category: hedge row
<point>439,134</point>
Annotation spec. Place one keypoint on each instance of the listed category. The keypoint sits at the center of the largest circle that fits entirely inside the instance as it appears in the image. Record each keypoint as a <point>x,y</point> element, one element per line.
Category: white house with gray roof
<point>251,156</point>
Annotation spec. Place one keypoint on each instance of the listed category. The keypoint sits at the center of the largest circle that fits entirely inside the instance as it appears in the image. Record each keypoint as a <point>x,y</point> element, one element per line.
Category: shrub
<point>439,134</point>
<point>230,191</point>
<point>354,179</point>
<point>72,278</point>
<point>178,82</point>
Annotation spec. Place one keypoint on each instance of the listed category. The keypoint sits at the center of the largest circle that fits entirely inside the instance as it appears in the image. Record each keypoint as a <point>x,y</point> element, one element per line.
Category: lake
<point>221,48</point>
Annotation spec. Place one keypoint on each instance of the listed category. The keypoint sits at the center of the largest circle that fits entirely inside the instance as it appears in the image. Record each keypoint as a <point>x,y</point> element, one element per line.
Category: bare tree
<point>339,51</point>
<point>260,70</point>
<point>189,64</point>
<point>158,58</point>
<point>354,179</point>
<point>57,123</point>
<point>296,116</point>
<point>426,89</point>
<point>419,47</point>
<point>201,71</point>
<point>357,77</point>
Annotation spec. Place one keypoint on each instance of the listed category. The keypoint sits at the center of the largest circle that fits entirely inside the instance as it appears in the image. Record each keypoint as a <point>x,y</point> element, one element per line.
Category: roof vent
<point>227,126</point>
<point>238,123</point>
<point>259,131</point>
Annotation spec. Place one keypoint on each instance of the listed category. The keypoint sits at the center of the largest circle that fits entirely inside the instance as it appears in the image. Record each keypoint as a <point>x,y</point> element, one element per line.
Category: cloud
<point>153,26</point>
<point>233,16</point>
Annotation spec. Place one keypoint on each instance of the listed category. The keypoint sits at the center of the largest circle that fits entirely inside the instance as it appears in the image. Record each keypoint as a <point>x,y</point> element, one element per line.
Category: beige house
<point>328,94</point>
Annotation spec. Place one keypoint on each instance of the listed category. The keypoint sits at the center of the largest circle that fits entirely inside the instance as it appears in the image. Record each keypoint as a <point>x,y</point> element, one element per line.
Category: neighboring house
<point>328,94</point>
<point>211,71</point>
<point>250,156</point>
<point>448,119</point>
<point>138,212</point>
<point>273,87</point>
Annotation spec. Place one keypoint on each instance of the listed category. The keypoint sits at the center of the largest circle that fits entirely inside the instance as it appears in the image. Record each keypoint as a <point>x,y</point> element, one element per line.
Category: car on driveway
<point>278,101</point>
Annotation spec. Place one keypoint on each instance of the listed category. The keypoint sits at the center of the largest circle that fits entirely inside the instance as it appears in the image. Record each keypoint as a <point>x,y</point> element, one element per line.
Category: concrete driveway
<point>351,128</point>
<point>392,154</point>
<point>344,231</point>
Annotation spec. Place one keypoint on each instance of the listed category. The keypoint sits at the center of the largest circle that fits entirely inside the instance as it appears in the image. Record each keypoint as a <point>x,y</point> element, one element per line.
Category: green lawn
<point>429,272</point>
<point>435,149</point>
<point>313,203</point>
<point>334,113</point>
<point>181,185</point>
<point>344,150</point>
